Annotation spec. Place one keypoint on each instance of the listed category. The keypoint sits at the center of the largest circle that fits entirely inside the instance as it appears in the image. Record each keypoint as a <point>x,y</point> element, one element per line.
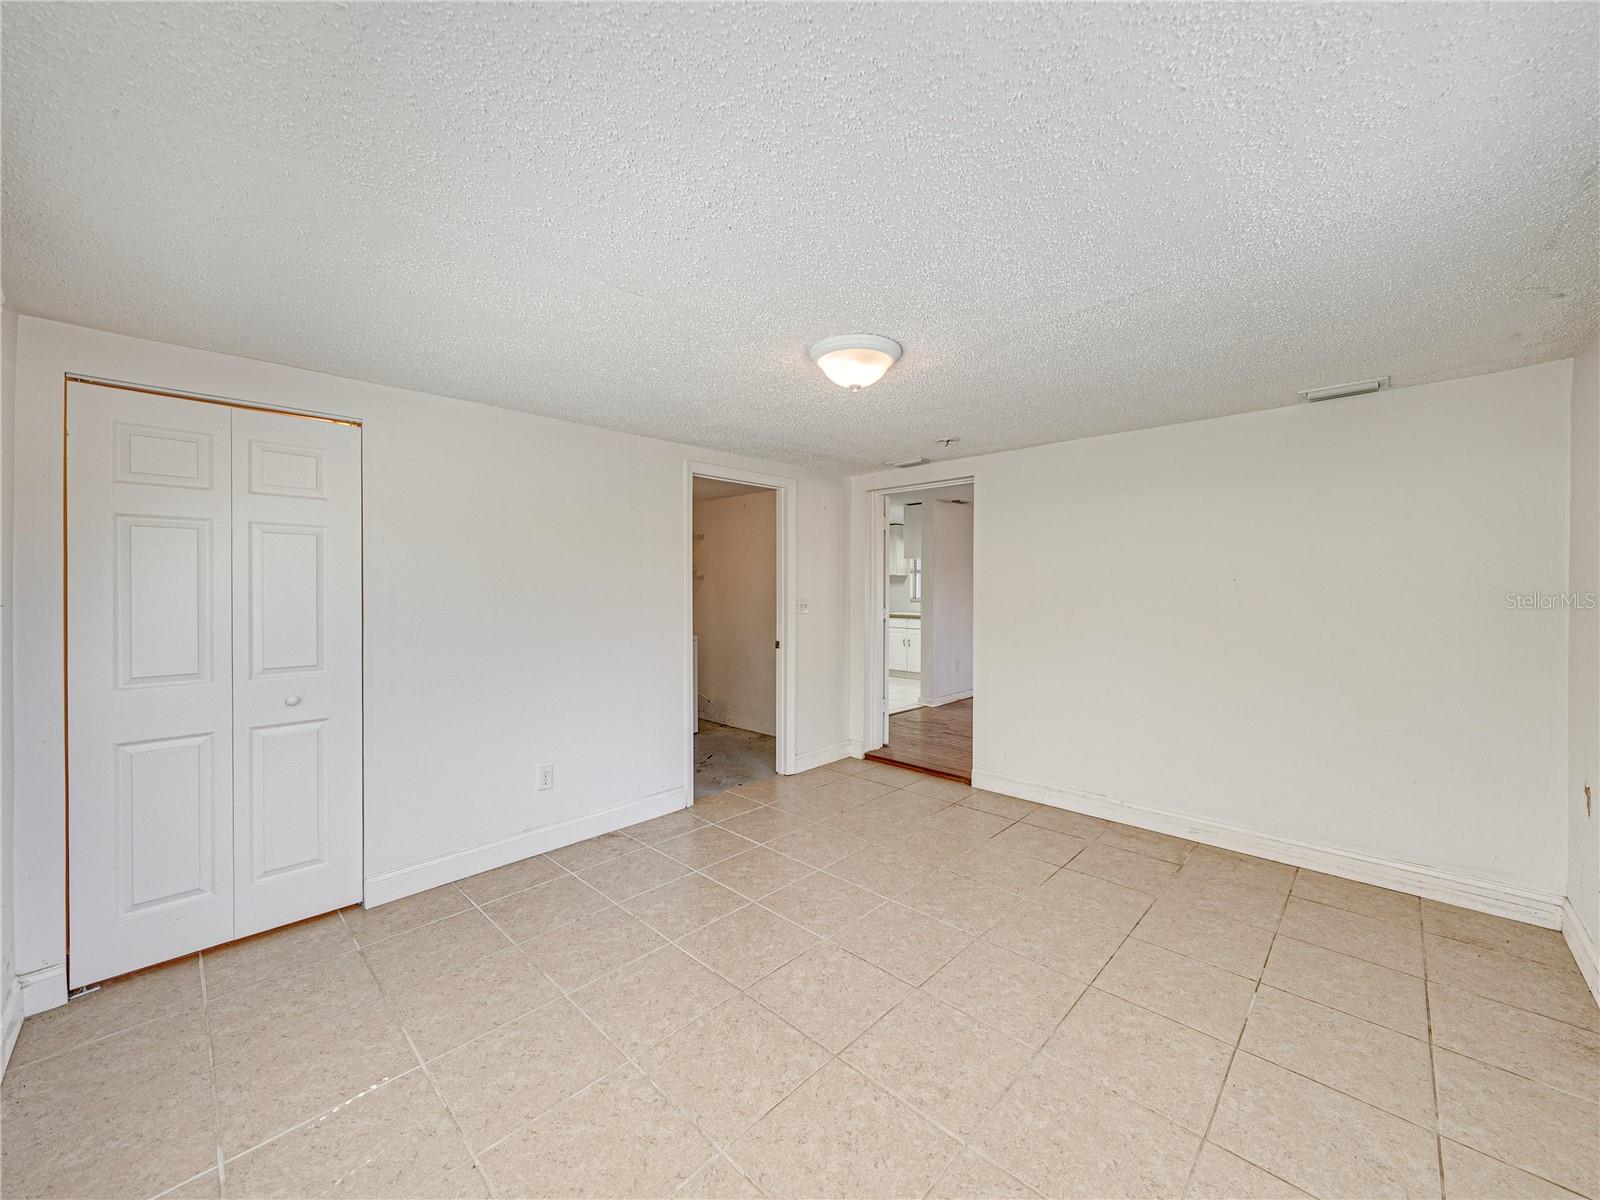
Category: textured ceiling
<point>1077,218</point>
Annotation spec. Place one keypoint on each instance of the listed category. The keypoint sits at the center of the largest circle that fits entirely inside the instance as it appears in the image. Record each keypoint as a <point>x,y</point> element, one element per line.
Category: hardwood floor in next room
<point>937,740</point>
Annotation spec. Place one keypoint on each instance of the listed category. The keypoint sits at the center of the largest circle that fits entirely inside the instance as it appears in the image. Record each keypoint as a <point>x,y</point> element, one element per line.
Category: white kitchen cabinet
<point>905,644</point>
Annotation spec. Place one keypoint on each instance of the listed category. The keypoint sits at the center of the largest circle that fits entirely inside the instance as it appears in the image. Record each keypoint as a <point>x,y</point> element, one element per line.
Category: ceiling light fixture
<point>855,360</point>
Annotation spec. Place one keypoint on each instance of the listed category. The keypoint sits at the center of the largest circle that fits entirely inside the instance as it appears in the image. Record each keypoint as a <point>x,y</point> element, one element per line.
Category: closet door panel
<point>297,678</point>
<point>149,661</point>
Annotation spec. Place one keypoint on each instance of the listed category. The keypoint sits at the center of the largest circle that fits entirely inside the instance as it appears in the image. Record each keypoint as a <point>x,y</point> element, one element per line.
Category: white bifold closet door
<point>213,674</point>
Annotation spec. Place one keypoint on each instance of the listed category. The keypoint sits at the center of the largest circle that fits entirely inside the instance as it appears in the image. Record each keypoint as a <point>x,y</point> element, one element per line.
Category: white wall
<point>735,609</point>
<point>495,636</point>
<point>10,993</point>
<point>900,600</point>
<point>947,601</point>
<point>1288,631</point>
<point>1583,652</point>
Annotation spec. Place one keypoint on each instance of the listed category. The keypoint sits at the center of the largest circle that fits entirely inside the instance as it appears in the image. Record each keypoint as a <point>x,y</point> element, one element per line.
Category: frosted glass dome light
<point>855,360</point>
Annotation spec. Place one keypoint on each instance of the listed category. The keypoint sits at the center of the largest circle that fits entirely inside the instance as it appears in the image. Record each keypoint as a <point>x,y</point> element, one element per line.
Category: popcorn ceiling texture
<point>1077,218</point>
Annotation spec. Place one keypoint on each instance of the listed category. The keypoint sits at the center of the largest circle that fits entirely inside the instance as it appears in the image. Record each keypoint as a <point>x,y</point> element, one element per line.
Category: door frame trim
<point>785,490</point>
<point>200,398</point>
<point>69,378</point>
<point>874,714</point>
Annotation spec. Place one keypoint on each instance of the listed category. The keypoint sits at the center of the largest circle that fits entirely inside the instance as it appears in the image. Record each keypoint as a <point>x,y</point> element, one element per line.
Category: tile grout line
<point>1233,1054</point>
<point>628,1059</point>
<point>831,1056</point>
<point>1433,1068</point>
<point>1427,1039</point>
<point>564,993</point>
<point>1038,1052</point>
<point>759,903</point>
<point>1497,1000</point>
<point>319,1115</point>
<point>778,968</point>
<point>805,822</point>
<point>322,1113</point>
<point>561,995</point>
<point>838,1055</point>
<point>211,1083</point>
<point>1438,1111</point>
<point>933,867</point>
<point>1368,1103</point>
<point>211,1073</point>
<point>1130,936</point>
<point>422,1065</point>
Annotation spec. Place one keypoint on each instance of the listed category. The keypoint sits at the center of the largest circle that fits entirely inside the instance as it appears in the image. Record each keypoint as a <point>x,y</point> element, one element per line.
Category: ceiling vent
<point>1339,391</point>
<point>909,462</point>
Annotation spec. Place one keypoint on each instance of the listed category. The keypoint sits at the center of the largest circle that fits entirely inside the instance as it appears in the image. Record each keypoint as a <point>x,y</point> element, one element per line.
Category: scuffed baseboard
<point>459,864</point>
<point>10,1022</point>
<point>821,758</point>
<point>43,989</point>
<point>1481,895</point>
<point>1582,947</point>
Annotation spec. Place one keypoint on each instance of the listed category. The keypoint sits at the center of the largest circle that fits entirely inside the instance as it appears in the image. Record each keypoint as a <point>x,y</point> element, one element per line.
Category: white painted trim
<point>1583,950</point>
<point>1481,895</point>
<point>210,398</point>
<point>951,698</point>
<point>447,868</point>
<point>10,1022</point>
<point>43,989</point>
<point>786,497</point>
<point>822,757</point>
<point>875,730</point>
<point>46,988</point>
<point>856,748</point>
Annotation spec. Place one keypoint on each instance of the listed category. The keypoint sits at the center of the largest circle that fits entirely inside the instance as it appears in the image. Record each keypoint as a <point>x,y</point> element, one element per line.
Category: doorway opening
<point>737,663</point>
<point>922,550</point>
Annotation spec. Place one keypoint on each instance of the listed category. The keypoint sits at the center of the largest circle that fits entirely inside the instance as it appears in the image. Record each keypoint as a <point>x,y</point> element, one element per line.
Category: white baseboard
<point>947,698</point>
<point>43,989</point>
<point>10,1022</point>
<point>1481,895</point>
<point>821,758</point>
<point>857,748</point>
<point>459,864</point>
<point>1582,947</point>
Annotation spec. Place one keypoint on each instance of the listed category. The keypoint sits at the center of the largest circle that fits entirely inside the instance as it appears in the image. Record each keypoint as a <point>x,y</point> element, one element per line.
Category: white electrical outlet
<point>547,778</point>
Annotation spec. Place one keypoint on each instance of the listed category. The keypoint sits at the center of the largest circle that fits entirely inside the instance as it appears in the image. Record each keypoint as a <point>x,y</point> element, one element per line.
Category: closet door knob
<point>291,701</point>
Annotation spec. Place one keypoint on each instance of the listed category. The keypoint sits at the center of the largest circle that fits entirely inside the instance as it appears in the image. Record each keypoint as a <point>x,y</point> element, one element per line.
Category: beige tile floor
<point>855,982</point>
